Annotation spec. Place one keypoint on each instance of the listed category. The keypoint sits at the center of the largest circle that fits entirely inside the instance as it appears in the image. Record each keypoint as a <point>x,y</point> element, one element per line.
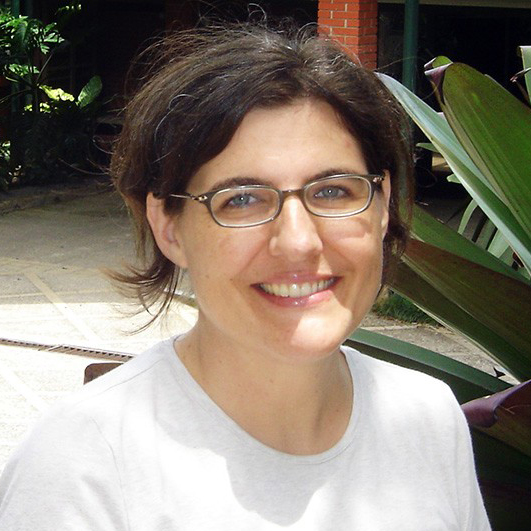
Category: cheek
<point>364,254</point>
<point>359,238</point>
<point>223,255</point>
<point>361,249</point>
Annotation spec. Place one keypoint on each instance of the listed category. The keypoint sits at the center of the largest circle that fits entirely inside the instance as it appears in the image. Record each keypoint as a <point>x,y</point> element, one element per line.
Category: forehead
<point>285,146</point>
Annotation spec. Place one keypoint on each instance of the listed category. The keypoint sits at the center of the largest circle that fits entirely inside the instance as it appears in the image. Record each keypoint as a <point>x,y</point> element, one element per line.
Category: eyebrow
<point>238,181</point>
<point>245,181</point>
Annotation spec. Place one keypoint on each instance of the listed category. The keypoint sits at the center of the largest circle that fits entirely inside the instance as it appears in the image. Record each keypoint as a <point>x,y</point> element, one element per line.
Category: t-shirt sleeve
<point>63,477</point>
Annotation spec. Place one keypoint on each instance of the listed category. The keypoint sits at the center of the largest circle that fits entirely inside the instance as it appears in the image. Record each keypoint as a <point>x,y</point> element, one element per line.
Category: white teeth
<point>296,290</point>
<point>306,289</point>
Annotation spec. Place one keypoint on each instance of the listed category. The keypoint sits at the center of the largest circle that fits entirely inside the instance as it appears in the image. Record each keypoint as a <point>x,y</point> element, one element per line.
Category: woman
<point>267,166</point>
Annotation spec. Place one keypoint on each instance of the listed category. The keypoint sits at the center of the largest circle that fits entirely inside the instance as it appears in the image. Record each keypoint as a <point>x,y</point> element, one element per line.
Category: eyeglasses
<point>337,196</point>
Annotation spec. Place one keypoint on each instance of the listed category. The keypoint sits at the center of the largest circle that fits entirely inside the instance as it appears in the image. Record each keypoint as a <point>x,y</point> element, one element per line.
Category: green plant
<point>54,143</point>
<point>50,131</point>
<point>485,137</point>
<point>395,306</point>
<point>24,43</point>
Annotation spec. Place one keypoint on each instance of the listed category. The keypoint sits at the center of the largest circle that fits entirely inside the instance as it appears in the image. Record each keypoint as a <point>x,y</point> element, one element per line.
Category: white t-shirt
<point>145,448</point>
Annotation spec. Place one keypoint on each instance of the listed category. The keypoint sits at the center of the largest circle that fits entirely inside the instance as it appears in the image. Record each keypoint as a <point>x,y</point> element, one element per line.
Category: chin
<point>313,341</point>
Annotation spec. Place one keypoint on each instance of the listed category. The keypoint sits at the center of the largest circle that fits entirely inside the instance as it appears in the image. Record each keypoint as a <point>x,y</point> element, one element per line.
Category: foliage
<point>395,306</point>
<point>50,131</point>
<point>503,308</point>
<point>21,39</point>
<point>484,135</point>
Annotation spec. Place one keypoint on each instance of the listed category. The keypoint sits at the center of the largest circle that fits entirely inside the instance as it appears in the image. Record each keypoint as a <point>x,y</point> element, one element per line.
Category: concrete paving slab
<point>67,279</point>
<point>71,234</point>
<point>17,285</point>
<point>24,307</point>
<point>42,330</point>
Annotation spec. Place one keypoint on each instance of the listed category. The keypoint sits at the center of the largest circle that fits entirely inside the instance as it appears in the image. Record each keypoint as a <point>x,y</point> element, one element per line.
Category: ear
<point>165,231</point>
<point>386,198</point>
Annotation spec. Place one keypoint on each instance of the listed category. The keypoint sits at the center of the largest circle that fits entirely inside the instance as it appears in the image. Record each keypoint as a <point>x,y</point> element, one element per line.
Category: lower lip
<point>300,302</point>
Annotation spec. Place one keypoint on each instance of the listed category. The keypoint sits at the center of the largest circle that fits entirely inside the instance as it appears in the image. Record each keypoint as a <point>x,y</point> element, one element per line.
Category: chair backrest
<point>94,370</point>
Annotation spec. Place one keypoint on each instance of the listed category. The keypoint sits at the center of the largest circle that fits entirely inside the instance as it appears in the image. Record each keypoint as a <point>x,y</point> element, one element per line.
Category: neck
<point>298,406</point>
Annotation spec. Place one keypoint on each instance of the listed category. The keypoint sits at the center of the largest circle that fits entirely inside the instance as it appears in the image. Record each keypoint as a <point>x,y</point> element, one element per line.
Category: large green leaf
<point>466,382</point>
<point>440,134</point>
<point>427,229</point>
<point>434,301</point>
<point>494,128</point>
<point>20,37</point>
<point>499,304</point>
<point>57,94</point>
<point>90,91</point>
<point>525,52</point>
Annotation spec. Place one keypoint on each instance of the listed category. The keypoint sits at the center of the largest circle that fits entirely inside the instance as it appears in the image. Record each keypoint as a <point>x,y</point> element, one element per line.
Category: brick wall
<point>353,23</point>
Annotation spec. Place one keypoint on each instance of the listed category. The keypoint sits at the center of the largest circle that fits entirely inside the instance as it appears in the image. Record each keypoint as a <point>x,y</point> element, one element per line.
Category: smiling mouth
<point>295,290</point>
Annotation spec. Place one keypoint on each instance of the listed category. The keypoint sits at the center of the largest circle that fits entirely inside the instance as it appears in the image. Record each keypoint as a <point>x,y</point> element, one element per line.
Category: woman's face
<point>236,271</point>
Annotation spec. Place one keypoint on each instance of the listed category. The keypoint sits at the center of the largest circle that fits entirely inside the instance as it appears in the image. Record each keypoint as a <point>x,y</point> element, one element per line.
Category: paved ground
<point>52,291</point>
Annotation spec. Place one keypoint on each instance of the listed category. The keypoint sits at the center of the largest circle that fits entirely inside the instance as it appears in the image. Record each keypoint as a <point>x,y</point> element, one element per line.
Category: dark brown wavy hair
<point>199,86</point>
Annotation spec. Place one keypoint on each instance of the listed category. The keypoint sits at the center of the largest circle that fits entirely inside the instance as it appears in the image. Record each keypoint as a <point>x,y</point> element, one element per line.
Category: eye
<point>331,192</point>
<point>240,200</point>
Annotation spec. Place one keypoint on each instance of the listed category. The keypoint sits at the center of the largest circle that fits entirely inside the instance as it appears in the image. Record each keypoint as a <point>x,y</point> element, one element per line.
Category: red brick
<point>370,22</point>
<point>346,14</point>
<point>353,55</point>
<point>353,6</point>
<point>368,39</point>
<point>346,31</point>
<point>338,38</point>
<point>368,49</point>
<point>354,23</point>
<point>366,14</point>
<point>352,41</point>
<point>367,30</point>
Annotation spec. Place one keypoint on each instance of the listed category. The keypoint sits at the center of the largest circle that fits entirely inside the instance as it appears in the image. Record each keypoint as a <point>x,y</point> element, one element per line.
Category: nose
<point>295,234</point>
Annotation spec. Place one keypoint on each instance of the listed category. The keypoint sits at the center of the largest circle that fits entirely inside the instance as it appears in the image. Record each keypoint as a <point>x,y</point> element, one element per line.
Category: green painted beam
<point>411,37</point>
<point>15,7</point>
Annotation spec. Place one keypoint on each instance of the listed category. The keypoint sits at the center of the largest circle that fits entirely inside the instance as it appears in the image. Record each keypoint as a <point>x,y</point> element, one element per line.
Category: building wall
<point>354,24</point>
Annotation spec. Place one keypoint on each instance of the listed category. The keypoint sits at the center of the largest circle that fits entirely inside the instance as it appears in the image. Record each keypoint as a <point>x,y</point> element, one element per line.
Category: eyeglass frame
<point>374,180</point>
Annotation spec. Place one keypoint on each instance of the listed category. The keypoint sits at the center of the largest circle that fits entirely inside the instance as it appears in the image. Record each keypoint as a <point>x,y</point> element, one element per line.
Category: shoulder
<point>407,393</point>
<point>120,389</point>
<point>78,430</point>
<point>419,415</point>
<point>106,393</point>
<point>382,372</point>
<point>71,458</point>
<point>410,406</point>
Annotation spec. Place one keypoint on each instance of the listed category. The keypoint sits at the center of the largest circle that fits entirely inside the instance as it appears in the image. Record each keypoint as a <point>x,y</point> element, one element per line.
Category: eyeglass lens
<point>338,196</point>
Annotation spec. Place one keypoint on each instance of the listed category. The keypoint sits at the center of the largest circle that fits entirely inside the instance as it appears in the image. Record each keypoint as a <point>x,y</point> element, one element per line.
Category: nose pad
<point>295,233</point>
